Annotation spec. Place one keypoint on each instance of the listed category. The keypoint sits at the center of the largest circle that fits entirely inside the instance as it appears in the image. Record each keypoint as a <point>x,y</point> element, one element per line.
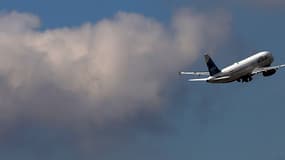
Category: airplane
<point>241,71</point>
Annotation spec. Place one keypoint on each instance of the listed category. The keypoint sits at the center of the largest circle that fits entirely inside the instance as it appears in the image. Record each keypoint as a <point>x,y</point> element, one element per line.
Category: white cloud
<point>18,22</point>
<point>105,72</point>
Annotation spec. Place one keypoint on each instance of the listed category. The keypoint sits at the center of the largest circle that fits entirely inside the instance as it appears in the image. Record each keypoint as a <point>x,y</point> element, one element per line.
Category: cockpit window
<point>261,59</point>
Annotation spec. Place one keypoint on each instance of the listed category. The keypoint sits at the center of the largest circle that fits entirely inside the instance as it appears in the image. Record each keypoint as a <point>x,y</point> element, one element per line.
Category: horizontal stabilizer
<point>195,73</point>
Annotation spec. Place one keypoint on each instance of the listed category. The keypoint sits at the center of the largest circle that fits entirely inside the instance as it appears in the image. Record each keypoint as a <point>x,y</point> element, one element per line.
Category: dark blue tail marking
<point>213,69</point>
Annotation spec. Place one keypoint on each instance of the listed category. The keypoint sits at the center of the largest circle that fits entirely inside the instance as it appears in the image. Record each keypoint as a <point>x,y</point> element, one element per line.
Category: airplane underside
<point>245,79</point>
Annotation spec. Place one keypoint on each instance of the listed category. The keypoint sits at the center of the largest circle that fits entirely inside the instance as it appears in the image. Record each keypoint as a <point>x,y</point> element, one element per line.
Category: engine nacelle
<point>269,72</point>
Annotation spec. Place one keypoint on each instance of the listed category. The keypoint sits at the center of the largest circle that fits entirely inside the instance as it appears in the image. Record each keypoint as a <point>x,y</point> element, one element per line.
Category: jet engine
<point>269,72</point>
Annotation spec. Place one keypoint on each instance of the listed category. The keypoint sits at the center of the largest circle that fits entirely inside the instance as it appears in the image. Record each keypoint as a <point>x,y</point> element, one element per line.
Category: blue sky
<point>232,121</point>
<point>78,12</point>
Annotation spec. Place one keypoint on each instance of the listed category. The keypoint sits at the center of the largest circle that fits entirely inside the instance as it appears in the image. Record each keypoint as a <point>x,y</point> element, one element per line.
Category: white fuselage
<point>243,68</point>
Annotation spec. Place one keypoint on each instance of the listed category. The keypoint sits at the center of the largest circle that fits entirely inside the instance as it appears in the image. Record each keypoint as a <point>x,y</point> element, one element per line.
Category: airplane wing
<point>208,78</point>
<point>263,69</point>
<point>195,73</point>
<point>198,80</point>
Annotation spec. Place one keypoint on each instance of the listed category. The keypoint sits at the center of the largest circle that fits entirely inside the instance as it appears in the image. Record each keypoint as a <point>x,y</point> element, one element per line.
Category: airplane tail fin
<point>213,69</point>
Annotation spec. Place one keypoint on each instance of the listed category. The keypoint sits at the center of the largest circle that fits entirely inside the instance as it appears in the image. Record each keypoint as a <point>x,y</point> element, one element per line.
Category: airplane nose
<point>270,57</point>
